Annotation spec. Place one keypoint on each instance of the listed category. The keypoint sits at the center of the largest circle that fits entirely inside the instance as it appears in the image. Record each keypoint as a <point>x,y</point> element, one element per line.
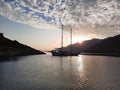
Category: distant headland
<point>107,47</point>
<point>14,48</point>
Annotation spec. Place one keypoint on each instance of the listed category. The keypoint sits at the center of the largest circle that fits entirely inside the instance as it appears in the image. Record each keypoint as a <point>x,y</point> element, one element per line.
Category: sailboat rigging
<point>61,51</point>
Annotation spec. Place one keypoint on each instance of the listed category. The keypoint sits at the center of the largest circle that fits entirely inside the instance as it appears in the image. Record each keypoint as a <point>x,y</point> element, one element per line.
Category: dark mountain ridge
<point>79,47</point>
<point>107,45</point>
<point>14,48</point>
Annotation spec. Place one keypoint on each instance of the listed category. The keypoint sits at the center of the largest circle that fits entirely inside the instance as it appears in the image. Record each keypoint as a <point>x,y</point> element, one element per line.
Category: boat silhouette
<point>61,51</point>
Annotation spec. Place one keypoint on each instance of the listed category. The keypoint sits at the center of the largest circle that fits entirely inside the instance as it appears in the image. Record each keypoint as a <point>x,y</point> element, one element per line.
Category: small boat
<point>61,51</point>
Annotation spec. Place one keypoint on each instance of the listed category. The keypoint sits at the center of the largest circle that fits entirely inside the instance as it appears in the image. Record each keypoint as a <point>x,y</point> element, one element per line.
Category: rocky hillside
<point>107,45</point>
<point>14,48</point>
<point>79,47</point>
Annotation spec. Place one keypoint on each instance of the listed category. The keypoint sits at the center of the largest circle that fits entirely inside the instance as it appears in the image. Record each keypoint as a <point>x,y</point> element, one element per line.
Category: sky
<point>37,23</point>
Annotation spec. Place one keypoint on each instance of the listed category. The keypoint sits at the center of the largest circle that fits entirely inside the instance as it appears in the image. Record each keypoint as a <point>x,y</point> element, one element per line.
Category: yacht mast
<point>62,39</point>
<point>71,41</point>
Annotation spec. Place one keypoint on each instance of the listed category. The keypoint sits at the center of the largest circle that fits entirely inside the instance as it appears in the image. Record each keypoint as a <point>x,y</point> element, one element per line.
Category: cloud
<point>95,16</point>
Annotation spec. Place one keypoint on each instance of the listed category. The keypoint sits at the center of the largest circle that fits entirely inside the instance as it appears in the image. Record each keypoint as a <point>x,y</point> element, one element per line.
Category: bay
<point>46,72</point>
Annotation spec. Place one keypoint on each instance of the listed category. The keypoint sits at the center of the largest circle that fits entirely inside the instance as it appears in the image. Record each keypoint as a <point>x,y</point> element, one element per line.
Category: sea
<point>47,72</point>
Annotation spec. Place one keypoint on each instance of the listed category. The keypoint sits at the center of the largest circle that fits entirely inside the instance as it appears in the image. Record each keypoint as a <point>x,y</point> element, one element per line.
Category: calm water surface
<point>60,73</point>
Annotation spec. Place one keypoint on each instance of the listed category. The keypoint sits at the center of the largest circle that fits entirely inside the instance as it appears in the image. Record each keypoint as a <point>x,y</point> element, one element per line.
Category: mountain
<point>110,45</point>
<point>79,47</point>
<point>14,48</point>
<point>89,43</point>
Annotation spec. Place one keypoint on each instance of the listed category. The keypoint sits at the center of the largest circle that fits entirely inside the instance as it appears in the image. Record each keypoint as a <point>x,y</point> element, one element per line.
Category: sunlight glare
<point>78,39</point>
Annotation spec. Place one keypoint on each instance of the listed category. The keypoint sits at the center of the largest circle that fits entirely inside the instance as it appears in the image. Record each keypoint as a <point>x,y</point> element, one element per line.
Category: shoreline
<point>102,54</point>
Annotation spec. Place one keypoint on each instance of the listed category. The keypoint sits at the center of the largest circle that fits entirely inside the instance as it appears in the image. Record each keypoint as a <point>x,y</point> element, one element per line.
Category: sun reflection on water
<point>81,70</point>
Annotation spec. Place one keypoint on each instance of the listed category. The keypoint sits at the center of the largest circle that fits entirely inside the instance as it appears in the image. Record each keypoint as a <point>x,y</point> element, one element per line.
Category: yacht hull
<point>64,54</point>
